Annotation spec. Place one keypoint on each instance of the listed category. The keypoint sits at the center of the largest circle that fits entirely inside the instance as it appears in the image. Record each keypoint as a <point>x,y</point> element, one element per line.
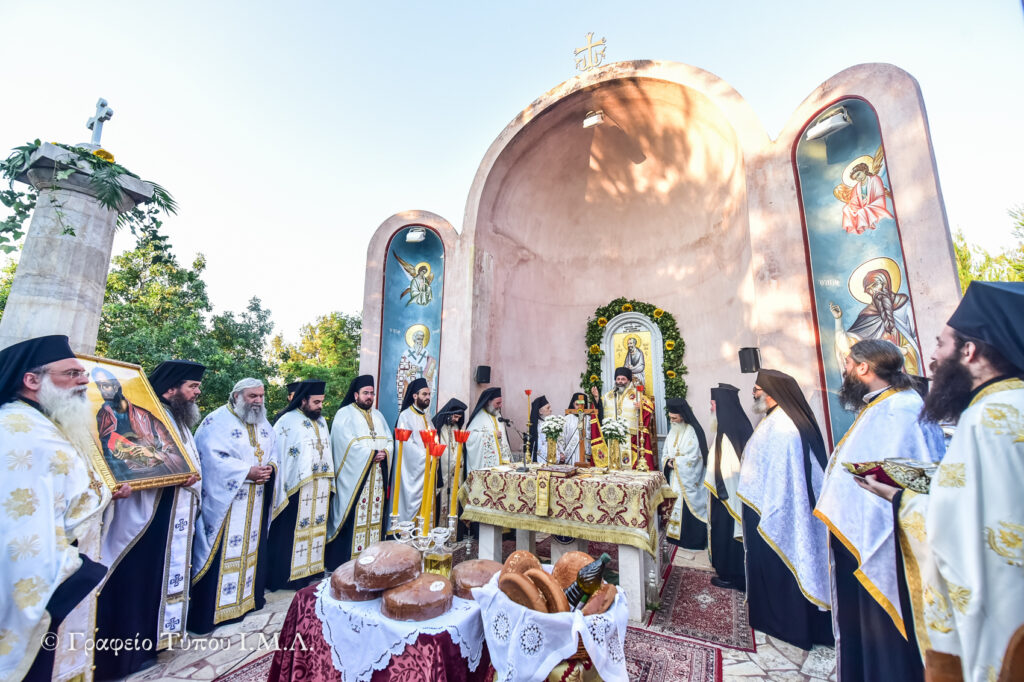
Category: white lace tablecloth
<point>362,640</point>
<point>525,645</point>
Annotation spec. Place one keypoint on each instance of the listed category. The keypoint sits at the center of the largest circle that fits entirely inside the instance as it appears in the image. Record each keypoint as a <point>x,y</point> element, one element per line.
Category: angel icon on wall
<point>864,193</point>
<point>421,277</point>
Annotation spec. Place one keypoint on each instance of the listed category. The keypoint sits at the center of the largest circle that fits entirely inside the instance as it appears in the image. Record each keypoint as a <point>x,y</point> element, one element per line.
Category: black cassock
<point>726,550</point>
<point>203,602</point>
<point>693,533</point>
<point>870,646</point>
<point>339,550</point>
<point>128,606</point>
<point>776,605</point>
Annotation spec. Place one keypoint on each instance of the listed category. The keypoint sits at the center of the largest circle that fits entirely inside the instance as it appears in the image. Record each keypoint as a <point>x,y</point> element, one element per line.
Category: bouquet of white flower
<point>553,426</point>
<point>615,429</point>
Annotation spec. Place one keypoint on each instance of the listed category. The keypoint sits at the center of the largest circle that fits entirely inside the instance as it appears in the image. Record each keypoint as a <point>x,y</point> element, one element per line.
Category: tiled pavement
<point>232,646</point>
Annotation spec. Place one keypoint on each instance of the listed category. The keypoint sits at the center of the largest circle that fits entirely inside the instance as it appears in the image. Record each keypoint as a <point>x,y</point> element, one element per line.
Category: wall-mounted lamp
<point>416,234</point>
<point>593,118</point>
<point>829,123</point>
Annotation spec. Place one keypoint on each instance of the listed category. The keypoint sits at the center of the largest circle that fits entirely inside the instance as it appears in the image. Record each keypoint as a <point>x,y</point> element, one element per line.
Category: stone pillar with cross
<point>61,278</point>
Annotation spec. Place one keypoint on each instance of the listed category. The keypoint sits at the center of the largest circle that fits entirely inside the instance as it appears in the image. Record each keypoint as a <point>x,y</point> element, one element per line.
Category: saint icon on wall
<point>864,193</point>
<point>421,277</point>
<point>416,361</point>
<point>886,315</point>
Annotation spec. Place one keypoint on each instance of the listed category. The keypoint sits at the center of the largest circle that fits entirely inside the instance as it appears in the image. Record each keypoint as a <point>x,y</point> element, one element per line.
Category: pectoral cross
<point>593,57</point>
<point>95,124</point>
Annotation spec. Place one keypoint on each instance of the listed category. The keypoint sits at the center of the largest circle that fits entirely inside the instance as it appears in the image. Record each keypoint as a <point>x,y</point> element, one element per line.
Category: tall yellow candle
<point>460,437</point>
<point>427,504</point>
<point>401,435</point>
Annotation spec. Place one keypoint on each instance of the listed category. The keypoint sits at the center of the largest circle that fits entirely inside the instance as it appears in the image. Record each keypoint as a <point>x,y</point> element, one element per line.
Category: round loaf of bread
<point>520,561</point>
<point>473,573</point>
<point>384,565</point>
<point>568,565</point>
<point>554,597</point>
<point>343,585</point>
<point>522,591</point>
<point>426,597</point>
<point>600,601</point>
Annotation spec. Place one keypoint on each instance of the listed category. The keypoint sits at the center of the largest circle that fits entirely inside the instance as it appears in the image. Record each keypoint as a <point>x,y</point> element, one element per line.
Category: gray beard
<point>493,411</point>
<point>250,414</point>
<point>185,412</point>
<point>69,409</point>
<point>760,405</point>
<point>620,389</point>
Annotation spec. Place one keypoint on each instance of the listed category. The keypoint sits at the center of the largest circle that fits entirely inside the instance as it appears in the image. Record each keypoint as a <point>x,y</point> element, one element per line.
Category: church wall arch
<point>650,205</point>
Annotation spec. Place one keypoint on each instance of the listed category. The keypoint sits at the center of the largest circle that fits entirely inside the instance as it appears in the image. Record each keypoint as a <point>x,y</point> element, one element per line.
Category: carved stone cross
<point>95,124</point>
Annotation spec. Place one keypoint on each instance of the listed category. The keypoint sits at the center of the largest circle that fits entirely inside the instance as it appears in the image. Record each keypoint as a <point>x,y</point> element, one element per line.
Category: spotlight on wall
<point>593,118</point>
<point>416,234</point>
<point>829,123</point>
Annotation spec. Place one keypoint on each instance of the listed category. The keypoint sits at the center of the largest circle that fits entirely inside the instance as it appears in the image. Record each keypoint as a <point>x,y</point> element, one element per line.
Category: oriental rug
<point>254,671</point>
<point>692,607</point>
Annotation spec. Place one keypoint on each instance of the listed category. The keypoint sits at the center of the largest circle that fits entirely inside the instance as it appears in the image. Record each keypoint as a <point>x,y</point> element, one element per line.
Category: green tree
<point>327,349</point>
<point>6,279</point>
<point>974,262</point>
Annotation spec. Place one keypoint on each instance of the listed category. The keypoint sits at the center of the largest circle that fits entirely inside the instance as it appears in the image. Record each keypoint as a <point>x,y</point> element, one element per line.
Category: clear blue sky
<point>289,131</point>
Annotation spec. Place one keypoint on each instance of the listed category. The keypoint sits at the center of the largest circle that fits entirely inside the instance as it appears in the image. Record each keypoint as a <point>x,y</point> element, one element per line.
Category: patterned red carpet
<point>255,671</point>
<point>693,607</point>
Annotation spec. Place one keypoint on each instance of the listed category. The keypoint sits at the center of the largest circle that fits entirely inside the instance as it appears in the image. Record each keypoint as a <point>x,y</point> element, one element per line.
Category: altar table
<point>304,653</point>
<point>614,507</point>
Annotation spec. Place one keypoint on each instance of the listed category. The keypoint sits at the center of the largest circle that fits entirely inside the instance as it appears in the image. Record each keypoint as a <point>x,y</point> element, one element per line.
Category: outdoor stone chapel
<point>637,214</point>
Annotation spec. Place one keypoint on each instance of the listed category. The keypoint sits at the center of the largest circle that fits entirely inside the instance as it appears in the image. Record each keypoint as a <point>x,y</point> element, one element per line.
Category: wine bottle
<point>588,581</point>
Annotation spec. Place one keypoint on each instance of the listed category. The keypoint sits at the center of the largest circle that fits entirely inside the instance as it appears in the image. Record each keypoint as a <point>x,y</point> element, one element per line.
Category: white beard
<point>676,428</point>
<point>760,405</point>
<point>250,414</point>
<point>70,410</point>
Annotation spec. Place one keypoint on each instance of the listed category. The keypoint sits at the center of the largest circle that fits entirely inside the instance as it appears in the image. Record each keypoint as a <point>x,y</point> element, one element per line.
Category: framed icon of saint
<point>135,440</point>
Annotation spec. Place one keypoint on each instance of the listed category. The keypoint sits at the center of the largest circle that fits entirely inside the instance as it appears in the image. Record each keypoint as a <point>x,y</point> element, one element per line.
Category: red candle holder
<point>403,434</point>
<point>528,391</point>
<point>461,436</point>
<point>427,437</point>
<point>437,449</point>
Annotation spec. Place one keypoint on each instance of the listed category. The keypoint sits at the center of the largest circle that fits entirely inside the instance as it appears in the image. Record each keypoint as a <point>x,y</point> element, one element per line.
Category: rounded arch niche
<point>651,204</point>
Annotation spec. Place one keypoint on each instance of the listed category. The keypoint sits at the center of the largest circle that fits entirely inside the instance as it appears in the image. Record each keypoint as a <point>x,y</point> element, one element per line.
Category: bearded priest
<point>148,544</point>
<point>683,463</point>
<point>238,450</point>
<point>298,532</point>
<point>447,421</point>
<point>361,444</point>
<point>414,454</point>
<point>51,504</point>
<point>870,607</point>
<point>626,401</point>
<point>488,440</point>
<point>725,522</point>
<point>962,540</point>
<point>788,592</point>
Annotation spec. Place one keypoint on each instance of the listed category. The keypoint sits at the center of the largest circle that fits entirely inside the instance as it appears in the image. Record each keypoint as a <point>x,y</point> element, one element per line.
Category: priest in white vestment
<point>488,444</point>
<point>361,442</point>
<point>51,503</point>
<point>298,531</point>
<point>569,443</point>
<point>449,419</point>
<point>683,462</point>
<point>147,544</point>
<point>788,591</point>
<point>962,542</point>
<point>238,450</point>
<point>869,605</point>
<point>413,417</point>
<point>731,428</point>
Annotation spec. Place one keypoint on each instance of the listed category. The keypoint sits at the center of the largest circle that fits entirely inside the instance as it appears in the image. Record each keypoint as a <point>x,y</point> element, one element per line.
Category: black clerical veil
<point>576,396</point>
<point>361,381</point>
<point>682,408</point>
<point>535,406</point>
<point>18,359</point>
<point>300,391</point>
<point>994,313</point>
<point>786,392</point>
<point>414,387</point>
<point>733,423</point>
<point>453,406</point>
<point>173,373</point>
<point>487,396</point>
